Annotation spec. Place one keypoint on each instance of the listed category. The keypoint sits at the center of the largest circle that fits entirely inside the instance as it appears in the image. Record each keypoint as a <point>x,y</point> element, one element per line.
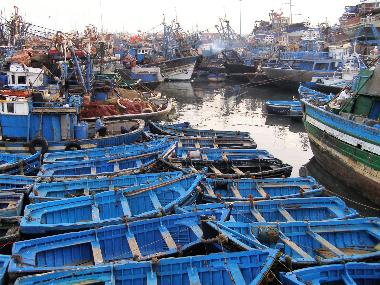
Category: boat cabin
<point>365,105</point>
<point>28,118</point>
<point>20,75</point>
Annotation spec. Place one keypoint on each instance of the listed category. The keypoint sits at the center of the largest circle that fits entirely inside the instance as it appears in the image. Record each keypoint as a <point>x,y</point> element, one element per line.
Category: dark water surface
<point>223,106</point>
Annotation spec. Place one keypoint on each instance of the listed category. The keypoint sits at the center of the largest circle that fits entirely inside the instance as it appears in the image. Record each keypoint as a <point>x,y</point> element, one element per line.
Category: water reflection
<point>335,187</point>
<point>223,106</point>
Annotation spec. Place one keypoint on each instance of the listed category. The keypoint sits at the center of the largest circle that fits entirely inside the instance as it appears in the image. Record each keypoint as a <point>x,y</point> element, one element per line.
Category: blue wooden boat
<point>232,162</point>
<point>308,93</point>
<point>281,107</point>
<point>23,130</point>
<point>246,189</point>
<point>284,210</point>
<point>16,183</point>
<point>139,240</point>
<point>11,204</point>
<point>111,207</point>
<point>107,166</point>
<point>57,190</point>
<point>184,129</point>
<point>4,261</point>
<point>249,267</point>
<point>216,142</point>
<point>296,112</point>
<point>95,153</point>
<point>350,273</point>
<point>345,135</point>
<point>25,164</point>
<point>310,243</point>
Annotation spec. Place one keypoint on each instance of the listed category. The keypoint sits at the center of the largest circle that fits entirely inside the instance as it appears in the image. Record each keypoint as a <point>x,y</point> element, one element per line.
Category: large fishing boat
<point>361,17</point>
<point>346,141</point>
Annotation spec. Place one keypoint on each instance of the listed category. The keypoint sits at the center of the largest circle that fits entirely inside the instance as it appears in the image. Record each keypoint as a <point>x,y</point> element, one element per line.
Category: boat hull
<point>291,78</point>
<point>100,142</point>
<point>351,158</point>
<point>178,69</point>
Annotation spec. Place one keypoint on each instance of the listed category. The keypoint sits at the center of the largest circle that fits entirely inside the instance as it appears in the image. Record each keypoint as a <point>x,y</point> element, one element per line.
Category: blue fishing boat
<point>349,273</point>
<point>110,207</point>
<point>308,93</point>
<point>33,122</point>
<point>11,204</point>
<point>246,189</point>
<point>216,142</point>
<point>281,107</point>
<point>24,164</point>
<point>95,153</point>
<point>107,166</point>
<point>311,243</point>
<point>284,210</point>
<point>139,240</point>
<point>184,129</point>
<point>232,162</point>
<point>296,112</point>
<point>345,135</point>
<point>4,261</point>
<point>302,66</point>
<point>17,183</point>
<point>249,267</point>
<point>57,190</point>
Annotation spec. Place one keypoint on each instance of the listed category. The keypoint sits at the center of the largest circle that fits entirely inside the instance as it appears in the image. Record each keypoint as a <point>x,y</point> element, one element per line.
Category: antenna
<point>290,10</point>
<point>101,15</point>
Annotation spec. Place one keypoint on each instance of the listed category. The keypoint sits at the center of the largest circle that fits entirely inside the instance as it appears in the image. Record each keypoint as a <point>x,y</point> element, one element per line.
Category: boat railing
<point>303,55</point>
<point>52,106</point>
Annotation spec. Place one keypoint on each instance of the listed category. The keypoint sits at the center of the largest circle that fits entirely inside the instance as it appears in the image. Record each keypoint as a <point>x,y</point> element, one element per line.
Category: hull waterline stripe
<point>344,137</point>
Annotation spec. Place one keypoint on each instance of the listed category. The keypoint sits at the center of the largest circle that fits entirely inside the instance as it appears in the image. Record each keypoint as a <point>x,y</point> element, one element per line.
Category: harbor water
<point>230,106</point>
<point>224,106</point>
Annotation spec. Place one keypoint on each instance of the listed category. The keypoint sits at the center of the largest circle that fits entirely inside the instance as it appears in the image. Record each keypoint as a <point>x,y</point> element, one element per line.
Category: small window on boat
<point>21,80</point>
<point>12,79</point>
<point>321,66</point>
<point>11,107</point>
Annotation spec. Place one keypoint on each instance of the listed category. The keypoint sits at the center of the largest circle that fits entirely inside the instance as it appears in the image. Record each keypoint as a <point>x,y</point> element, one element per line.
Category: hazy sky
<point>125,15</point>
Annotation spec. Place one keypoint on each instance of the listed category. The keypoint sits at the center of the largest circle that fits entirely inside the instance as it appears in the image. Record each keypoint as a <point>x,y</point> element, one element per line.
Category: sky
<point>147,15</point>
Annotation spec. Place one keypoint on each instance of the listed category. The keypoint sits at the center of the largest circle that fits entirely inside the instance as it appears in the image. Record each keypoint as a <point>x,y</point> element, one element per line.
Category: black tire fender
<point>72,146</point>
<point>38,142</point>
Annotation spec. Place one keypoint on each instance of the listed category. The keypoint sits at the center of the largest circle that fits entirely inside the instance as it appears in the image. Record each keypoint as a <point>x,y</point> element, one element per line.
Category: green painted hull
<point>353,166</point>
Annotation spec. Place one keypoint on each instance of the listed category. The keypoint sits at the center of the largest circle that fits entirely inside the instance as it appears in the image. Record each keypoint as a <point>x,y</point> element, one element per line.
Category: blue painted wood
<point>108,166</point>
<point>233,162</point>
<point>350,273</point>
<point>309,243</point>
<point>360,131</point>
<point>20,163</point>
<point>139,240</point>
<point>11,204</point>
<point>110,207</point>
<point>4,261</point>
<point>282,210</point>
<point>215,142</point>
<point>95,153</point>
<point>113,139</point>
<point>222,154</point>
<point>16,183</point>
<point>57,190</point>
<point>281,107</point>
<point>252,267</point>
<point>245,189</point>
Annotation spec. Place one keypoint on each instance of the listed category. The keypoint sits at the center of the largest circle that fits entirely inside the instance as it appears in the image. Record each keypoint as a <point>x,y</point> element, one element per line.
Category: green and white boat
<point>346,142</point>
